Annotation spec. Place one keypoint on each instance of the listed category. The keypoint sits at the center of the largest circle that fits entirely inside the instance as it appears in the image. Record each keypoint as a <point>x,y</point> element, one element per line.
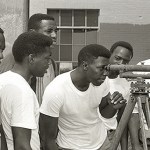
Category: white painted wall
<point>111,11</point>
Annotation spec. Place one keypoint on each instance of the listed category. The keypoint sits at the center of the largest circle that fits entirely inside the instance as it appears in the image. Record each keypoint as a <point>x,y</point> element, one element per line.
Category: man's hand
<point>117,100</point>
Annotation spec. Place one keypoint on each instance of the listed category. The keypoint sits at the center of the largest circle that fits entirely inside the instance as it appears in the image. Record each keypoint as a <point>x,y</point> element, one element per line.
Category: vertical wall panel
<point>13,19</point>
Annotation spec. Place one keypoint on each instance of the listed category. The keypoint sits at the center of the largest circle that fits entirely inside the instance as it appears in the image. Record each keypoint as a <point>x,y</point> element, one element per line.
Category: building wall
<point>13,20</point>
<point>137,35</point>
<point>119,20</point>
<point>112,11</point>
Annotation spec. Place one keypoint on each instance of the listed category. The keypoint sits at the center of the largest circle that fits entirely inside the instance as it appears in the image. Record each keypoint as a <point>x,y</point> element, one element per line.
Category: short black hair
<point>122,44</point>
<point>30,43</point>
<point>1,31</point>
<point>35,20</point>
<point>92,51</point>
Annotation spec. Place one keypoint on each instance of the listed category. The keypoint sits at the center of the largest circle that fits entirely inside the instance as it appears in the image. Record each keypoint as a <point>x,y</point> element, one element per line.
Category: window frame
<point>72,28</point>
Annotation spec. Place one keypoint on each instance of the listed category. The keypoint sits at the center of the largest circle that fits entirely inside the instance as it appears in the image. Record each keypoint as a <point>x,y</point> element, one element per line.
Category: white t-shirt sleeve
<point>52,102</point>
<point>22,108</point>
<point>106,88</point>
<point>110,123</point>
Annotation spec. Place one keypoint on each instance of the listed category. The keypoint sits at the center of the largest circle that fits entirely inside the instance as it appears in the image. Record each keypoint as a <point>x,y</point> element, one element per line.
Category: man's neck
<point>79,80</point>
<point>21,70</point>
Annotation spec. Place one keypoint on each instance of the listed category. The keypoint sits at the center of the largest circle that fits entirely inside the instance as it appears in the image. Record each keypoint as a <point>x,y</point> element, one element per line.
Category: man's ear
<point>31,58</point>
<point>85,65</point>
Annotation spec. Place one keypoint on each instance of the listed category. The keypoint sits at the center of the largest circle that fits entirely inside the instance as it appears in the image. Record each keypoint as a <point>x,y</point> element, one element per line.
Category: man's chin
<point>40,75</point>
<point>113,74</point>
<point>97,83</point>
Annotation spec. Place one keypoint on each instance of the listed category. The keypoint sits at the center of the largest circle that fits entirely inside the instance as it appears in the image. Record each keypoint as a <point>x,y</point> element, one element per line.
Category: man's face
<point>40,62</point>
<point>49,28</point>
<point>96,72</point>
<point>120,55</point>
<point>2,45</point>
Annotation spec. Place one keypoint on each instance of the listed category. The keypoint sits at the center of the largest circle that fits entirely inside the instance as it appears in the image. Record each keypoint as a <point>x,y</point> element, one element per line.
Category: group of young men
<point>78,107</point>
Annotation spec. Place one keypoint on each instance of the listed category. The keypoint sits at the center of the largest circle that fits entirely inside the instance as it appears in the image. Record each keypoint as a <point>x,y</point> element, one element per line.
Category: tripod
<point>140,95</point>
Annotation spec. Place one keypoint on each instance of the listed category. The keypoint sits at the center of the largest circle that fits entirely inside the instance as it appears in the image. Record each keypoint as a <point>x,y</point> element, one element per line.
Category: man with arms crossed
<point>19,105</point>
<point>71,103</point>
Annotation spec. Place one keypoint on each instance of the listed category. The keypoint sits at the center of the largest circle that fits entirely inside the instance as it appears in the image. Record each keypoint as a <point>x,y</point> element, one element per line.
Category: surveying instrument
<point>139,93</point>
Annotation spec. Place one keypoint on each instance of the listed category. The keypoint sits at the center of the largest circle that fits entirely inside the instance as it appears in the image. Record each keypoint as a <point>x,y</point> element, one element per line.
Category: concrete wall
<point>119,20</point>
<point>112,11</point>
<point>13,14</point>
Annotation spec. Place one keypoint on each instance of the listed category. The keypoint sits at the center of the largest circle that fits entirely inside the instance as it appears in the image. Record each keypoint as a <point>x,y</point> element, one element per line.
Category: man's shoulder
<point>11,79</point>
<point>60,81</point>
<point>61,78</point>
<point>5,76</point>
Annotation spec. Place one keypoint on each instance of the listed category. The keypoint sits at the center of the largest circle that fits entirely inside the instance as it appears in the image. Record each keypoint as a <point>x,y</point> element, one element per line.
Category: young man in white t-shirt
<point>19,105</point>
<point>71,101</point>
<point>45,24</point>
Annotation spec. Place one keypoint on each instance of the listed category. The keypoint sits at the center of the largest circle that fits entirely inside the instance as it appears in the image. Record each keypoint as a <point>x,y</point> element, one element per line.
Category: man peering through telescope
<point>122,53</point>
<point>71,103</point>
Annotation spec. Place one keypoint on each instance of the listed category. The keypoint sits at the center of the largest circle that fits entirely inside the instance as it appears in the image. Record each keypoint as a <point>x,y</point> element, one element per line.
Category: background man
<point>19,105</point>
<point>45,24</point>
<point>71,103</point>
<point>122,53</point>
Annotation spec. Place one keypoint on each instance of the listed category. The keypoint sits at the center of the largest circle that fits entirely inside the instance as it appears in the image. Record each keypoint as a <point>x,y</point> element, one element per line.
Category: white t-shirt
<point>79,124</point>
<point>19,107</point>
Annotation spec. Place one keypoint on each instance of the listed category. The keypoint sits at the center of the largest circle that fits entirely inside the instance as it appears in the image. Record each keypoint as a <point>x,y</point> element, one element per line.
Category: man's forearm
<point>108,111</point>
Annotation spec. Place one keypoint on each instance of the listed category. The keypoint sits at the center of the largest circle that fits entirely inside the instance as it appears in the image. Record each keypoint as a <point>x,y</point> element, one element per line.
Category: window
<point>77,28</point>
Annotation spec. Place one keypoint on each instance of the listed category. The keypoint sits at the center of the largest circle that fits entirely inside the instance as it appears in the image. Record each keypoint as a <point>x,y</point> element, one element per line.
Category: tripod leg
<point>142,123</point>
<point>123,123</point>
<point>147,112</point>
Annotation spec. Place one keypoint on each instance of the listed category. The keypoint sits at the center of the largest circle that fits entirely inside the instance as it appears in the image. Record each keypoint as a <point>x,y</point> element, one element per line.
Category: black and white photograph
<point>74,74</point>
